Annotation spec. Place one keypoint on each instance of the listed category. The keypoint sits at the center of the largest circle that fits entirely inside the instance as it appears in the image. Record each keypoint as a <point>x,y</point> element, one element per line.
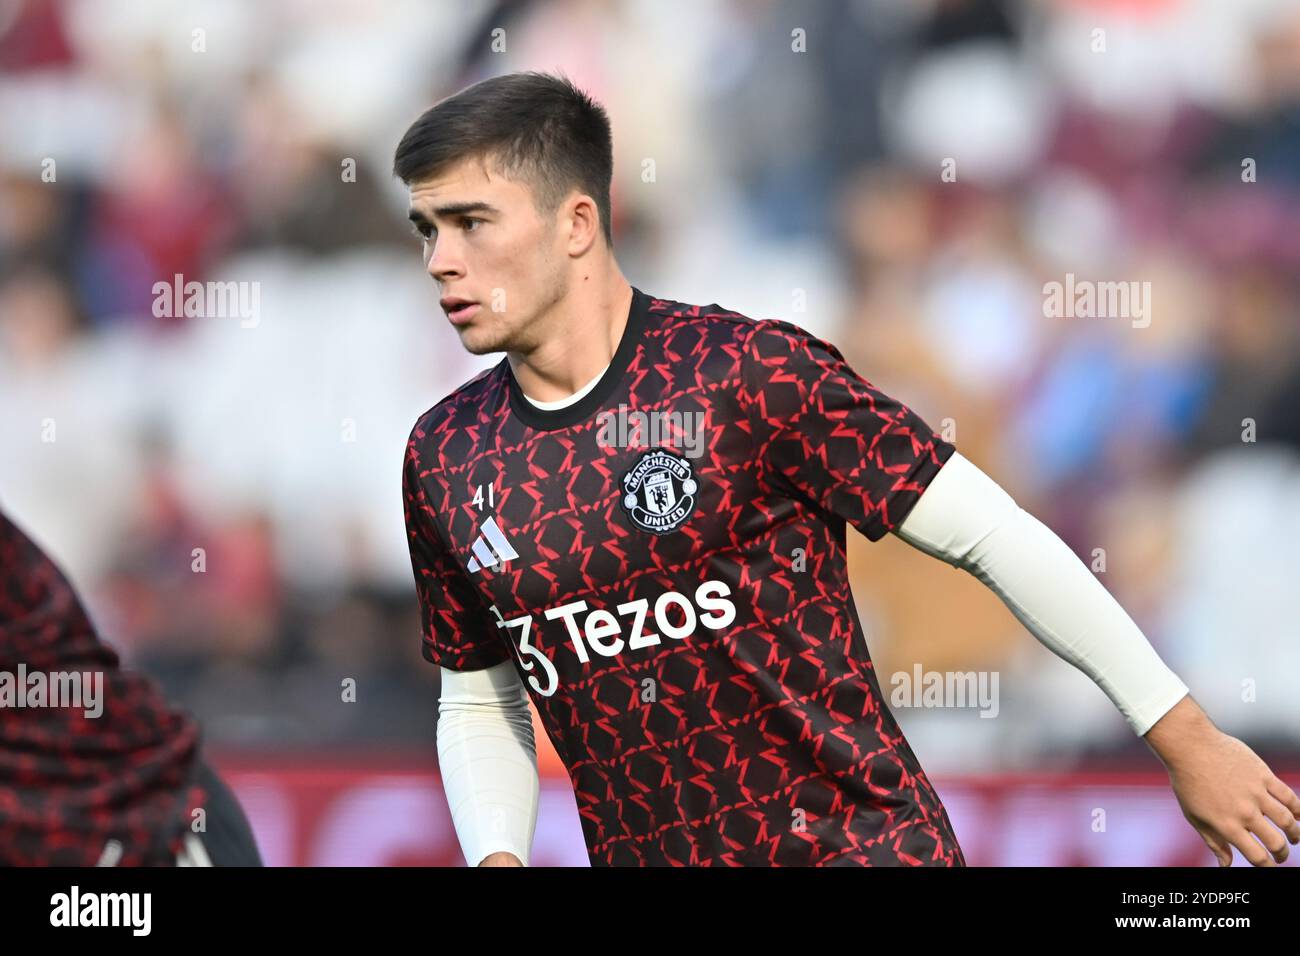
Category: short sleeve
<point>824,433</point>
<point>459,631</point>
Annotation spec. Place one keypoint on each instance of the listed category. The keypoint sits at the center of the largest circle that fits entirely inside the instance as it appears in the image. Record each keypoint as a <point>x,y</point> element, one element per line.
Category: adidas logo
<point>483,556</point>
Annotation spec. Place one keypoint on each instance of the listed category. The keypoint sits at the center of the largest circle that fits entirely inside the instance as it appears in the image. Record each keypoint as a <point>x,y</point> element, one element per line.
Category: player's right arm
<point>486,748</point>
<point>488,758</point>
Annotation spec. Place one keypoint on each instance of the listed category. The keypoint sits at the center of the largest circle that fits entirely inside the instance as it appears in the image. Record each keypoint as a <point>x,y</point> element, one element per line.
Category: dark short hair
<point>535,127</point>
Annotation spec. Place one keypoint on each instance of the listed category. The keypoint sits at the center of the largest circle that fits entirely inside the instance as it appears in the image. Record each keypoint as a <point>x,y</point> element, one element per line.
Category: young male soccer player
<point>637,517</point>
<point>95,768</point>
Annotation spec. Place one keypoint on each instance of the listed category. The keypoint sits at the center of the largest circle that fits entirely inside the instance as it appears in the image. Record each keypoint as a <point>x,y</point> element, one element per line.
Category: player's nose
<point>441,263</point>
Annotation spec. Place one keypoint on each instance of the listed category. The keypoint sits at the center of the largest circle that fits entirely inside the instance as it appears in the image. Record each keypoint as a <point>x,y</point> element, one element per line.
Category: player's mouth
<point>459,310</point>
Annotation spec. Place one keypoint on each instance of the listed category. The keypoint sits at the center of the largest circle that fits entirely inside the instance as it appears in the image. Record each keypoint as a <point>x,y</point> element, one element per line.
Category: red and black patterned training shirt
<point>80,785</point>
<point>664,561</point>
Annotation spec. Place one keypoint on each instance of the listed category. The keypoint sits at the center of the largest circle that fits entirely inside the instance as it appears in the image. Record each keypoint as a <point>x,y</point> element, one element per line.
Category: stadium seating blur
<point>251,141</point>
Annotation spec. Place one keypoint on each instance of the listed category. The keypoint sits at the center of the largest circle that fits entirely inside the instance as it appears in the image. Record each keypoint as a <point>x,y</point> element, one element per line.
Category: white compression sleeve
<point>968,520</point>
<point>487,755</point>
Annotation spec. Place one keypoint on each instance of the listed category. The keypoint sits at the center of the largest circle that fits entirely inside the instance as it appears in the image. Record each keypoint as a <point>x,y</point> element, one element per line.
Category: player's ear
<point>580,211</point>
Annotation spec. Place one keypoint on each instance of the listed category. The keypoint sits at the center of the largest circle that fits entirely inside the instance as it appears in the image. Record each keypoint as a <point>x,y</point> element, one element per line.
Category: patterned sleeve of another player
<point>459,631</point>
<point>828,435</point>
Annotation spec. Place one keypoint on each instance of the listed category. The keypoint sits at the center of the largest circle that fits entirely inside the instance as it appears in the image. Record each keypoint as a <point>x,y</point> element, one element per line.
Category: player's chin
<point>480,341</point>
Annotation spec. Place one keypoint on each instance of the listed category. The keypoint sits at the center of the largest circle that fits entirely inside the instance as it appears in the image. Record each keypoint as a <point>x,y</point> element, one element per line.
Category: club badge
<point>659,491</point>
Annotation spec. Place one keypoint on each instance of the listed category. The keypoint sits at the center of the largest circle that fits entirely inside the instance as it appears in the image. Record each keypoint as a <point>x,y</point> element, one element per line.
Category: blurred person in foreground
<point>638,517</point>
<point>95,768</point>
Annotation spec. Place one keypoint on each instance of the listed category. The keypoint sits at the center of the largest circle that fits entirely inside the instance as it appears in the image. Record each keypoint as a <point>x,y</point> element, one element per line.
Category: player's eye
<point>466,220</point>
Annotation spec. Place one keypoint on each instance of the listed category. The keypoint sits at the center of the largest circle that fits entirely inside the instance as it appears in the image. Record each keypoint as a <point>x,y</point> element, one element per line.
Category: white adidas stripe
<point>483,558</point>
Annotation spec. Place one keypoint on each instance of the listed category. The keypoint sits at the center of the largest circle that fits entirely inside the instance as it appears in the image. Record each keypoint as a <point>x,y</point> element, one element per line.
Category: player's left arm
<point>828,436</point>
<point>1225,790</point>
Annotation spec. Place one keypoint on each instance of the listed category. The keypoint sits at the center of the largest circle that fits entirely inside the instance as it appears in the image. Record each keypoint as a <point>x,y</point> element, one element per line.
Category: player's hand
<point>501,858</point>
<point>1225,790</point>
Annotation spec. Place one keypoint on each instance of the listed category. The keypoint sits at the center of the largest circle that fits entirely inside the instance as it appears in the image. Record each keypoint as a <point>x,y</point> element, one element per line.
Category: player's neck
<point>584,332</point>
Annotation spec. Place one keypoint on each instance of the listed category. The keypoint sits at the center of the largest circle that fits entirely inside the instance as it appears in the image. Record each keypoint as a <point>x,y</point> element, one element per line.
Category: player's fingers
<point>1218,846</point>
<point>1248,846</point>
<point>1283,818</point>
<point>1270,836</point>
<point>1281,792</point>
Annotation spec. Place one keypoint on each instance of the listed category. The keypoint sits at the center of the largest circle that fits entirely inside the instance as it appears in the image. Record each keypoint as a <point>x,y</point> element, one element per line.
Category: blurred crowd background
<point>780,173</point>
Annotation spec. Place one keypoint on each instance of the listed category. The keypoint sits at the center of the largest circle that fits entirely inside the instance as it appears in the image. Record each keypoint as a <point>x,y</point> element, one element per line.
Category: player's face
<point>485,244</point>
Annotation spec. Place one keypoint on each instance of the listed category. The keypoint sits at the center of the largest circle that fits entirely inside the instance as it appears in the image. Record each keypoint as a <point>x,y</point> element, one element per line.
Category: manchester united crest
<point>659,491</point>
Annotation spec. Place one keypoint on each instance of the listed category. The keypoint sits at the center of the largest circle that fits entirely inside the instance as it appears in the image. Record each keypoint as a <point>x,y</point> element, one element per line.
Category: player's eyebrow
<point>452,209</point>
